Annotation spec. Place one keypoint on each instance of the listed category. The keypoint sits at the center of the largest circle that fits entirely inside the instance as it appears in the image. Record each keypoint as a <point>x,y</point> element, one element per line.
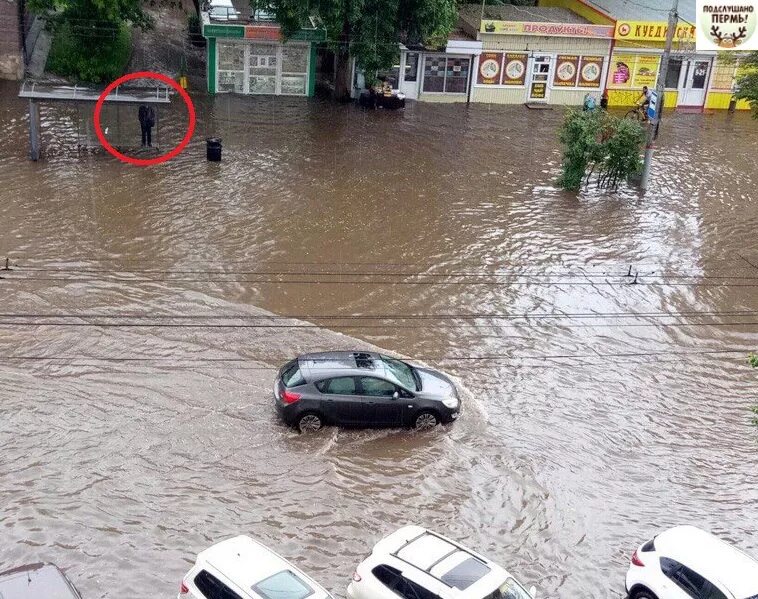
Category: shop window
<point>446,74</point>
<point>434,73</point>
<point>456,79</point>
<point>294,70</point>
<point>672,75</point>
<point>231,67</point>
<point>723,76</point>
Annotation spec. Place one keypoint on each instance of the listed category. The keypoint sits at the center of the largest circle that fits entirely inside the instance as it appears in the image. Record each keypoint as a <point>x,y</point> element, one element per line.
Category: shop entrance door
<point>409,76</point>
<point>539,78</point>
<point>694,81</point>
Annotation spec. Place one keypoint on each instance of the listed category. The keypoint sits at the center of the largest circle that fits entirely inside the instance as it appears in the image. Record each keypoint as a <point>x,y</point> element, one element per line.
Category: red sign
<point>270,33</point>
<point>490,68</point>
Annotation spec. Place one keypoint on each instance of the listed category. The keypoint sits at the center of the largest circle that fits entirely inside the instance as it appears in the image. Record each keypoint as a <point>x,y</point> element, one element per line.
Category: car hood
<point>434,384</point>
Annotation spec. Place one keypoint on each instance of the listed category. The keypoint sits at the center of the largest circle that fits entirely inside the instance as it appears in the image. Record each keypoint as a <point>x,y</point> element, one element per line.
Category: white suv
<point>685,562</point>
<point>415,563</point>
<point>241,568</point>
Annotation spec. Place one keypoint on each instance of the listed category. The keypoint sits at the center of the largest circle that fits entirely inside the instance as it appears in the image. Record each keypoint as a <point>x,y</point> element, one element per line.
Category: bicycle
<point>638,113</point>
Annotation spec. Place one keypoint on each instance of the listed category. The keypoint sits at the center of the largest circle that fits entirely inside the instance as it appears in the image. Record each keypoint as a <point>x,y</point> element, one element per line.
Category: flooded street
<point>148,310</point>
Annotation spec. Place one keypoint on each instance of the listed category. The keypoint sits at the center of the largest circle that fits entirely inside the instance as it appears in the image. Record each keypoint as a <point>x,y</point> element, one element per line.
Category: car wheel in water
<point>309,423</point>
<point>425,420</point>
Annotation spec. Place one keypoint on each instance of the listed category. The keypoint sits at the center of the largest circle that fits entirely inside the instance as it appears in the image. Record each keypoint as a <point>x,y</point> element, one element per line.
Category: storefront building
<point>252,58</point>
<point>556,60</point>
<point>695,80</point>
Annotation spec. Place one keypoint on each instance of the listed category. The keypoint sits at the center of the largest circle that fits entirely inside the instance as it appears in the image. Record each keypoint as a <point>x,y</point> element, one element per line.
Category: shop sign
<point>490,65</point>
<point>514,69</point>
<point>652,31</point>
<point>223,31</point>
<point>538,90</point>
<point>590,70</point>
<point>646,70</point>
<point>566,71</point>
<point>547,29</point>
<point>270,33</point>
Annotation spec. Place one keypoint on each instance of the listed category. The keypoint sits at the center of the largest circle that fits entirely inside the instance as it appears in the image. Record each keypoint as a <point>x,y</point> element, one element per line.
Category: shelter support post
<point>34,130</point>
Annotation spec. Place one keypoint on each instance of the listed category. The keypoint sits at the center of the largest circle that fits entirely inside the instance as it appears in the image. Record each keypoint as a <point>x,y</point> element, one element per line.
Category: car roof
<point>437,555</point>
<point>321,365</point>
<point>36,581</point>
<point>711,557</point>
<point>246,562</point>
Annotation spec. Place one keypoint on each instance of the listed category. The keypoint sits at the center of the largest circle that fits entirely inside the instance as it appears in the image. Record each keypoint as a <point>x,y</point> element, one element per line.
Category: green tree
<point>747,81</point>
<point>91,38</point>
<point>595,142</point>
<point>368,30</point>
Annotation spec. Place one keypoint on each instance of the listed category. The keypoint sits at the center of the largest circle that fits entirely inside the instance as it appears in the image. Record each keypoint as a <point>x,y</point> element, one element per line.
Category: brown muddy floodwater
<point>142,326</point>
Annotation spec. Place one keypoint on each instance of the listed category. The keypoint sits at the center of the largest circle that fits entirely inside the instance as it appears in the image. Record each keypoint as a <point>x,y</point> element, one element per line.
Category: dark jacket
<point>146,116</point>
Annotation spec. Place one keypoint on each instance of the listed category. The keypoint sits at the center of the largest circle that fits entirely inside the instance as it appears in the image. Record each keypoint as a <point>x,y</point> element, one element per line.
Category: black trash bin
<point>213,149</point>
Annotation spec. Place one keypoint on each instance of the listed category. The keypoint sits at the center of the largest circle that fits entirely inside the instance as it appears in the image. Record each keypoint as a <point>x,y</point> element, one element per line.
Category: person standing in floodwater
<point>146,117</point>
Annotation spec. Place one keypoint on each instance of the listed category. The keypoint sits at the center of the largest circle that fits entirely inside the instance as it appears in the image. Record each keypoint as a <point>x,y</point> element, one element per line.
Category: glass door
<point>694,82</point>
<point>539,78</point>
<point>409,74</point>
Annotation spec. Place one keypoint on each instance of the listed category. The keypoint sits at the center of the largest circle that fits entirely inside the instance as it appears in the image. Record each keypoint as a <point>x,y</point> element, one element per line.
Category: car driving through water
<point>359,388</point>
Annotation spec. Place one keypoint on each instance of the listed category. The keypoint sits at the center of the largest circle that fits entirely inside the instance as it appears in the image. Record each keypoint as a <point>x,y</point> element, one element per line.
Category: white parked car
<point>685,562</point>
<point>415,563</point>
<point>241,568</point>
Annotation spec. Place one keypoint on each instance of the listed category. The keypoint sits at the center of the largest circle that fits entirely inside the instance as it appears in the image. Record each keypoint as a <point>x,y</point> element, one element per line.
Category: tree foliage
<point>595,142</point>
<point>747,81</point>
<point>368,30</point>
<point>91,38</point>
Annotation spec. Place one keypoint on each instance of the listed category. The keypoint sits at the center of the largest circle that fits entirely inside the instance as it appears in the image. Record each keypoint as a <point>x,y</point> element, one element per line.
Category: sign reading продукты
<point>727,25</point>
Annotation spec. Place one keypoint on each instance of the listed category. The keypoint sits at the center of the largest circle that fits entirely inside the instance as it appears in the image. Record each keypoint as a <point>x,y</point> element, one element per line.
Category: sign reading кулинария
<point>727,25</point>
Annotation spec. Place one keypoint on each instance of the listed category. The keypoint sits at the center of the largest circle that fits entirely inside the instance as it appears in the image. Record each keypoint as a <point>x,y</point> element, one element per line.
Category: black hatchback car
<point>362,389</point>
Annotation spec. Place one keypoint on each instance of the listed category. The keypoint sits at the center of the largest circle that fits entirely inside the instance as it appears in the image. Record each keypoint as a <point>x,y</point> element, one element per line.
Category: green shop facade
<point>254,59</point>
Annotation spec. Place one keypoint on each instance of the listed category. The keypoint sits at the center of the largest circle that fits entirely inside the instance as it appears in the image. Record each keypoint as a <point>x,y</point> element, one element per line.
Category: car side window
<point>686,579</point>
<point>711,591</point>
<point>386,575</point>
<point>212,588</point>
<point>375,387</point>
<point>395,581</point>
<point>342,385</point>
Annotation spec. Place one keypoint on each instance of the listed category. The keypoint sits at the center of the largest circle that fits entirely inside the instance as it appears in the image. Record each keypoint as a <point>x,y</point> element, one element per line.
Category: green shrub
<point>90,54</point>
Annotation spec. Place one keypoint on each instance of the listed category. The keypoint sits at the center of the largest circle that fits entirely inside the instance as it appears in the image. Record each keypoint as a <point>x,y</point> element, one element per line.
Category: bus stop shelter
<point>37,92</point>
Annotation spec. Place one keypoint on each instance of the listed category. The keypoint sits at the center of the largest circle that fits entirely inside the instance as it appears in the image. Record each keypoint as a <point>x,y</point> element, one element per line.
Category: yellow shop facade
<point>695,80</point>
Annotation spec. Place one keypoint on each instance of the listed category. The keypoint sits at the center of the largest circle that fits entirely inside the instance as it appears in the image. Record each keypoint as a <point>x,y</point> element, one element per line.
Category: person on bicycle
<point>644,101</point>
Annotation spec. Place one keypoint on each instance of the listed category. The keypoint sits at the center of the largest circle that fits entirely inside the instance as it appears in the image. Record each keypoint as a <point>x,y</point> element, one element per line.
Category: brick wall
<point>11,59</point>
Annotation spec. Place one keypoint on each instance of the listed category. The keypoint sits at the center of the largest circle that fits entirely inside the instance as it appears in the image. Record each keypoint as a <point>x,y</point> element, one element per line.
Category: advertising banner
<point>548,29</point>
<point>490,68</point>
<point>621,69</point>
<point>646,70</point>
<point>566,71</point>
<point>590,71</point>
<point>538,90</point>
<point>514,68</point>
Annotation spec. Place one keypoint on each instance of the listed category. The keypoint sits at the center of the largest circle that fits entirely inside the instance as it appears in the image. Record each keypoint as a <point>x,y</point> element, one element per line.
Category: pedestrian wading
<point>146,117</point>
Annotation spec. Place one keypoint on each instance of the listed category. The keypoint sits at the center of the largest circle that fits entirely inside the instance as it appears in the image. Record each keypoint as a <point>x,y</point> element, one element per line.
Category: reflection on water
<point>596,412</point>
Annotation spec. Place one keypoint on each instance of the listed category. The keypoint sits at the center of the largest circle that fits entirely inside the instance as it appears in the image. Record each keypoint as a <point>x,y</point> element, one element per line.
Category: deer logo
<point>731,40</point>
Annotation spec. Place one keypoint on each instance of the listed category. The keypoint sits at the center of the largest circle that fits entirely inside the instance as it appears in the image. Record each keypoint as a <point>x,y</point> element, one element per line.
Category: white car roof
<point>710,556</point>
<point>246,562</point>
<point>437,555</point>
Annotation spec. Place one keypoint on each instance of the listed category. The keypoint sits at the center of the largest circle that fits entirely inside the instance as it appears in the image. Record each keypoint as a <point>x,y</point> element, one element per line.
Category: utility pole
<point>652,126</point>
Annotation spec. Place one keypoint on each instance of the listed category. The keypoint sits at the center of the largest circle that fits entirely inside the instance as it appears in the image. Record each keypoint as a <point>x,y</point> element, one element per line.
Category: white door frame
<point>530,73</point>
<point>410,89</point>
<point>687,96</point>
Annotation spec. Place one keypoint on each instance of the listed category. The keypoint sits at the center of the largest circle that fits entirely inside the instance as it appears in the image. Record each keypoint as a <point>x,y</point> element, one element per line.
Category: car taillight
<point>183,590</point>
<point>356,576</point>
<point>636,559</point>
<point>289,397</point>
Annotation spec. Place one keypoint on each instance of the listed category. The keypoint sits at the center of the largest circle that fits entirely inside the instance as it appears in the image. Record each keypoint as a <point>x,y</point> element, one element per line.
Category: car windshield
<point>283,585</point>
<point>401,372</point>
<point>510,589</point>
